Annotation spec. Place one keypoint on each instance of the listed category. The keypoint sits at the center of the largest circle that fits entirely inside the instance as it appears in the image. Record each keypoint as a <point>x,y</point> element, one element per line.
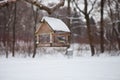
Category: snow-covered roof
<point>56,24</point>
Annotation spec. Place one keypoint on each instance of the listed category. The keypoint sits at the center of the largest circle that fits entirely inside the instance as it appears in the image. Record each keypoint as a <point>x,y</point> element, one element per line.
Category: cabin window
<point>44,38</point>
<point>60,39</point>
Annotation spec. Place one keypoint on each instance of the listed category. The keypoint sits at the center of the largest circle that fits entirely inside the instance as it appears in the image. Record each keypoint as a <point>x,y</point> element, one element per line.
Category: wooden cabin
<point>52,32</point>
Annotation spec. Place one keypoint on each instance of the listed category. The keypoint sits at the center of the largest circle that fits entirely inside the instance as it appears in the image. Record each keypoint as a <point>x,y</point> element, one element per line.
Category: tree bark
<point>89,28</point>
<point>35,14</point>
<point>14,24</point>
<point>7,16</point>
<point>113,21</point>
<point>89,34</point>
<point>118,23</point>
<point>102,28</point>
<point>118,39</point>
<point>68,12</point>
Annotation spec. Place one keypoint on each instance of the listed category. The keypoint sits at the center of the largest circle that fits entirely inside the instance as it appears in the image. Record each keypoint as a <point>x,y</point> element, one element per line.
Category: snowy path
<point>82,68</point>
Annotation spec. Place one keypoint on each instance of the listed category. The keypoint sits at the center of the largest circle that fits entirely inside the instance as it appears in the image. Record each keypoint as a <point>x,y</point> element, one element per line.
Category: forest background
<point>92,22</point>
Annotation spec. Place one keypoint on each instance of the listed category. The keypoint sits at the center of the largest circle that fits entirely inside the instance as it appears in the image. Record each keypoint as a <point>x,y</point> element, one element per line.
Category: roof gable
<point>56,24</point>
<point>43,27</point>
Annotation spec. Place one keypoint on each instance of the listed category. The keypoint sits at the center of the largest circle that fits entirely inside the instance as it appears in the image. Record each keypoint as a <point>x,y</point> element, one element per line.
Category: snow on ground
<point>60,68</point>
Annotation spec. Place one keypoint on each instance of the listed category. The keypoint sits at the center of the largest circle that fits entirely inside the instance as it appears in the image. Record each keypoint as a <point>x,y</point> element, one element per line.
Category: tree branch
<point>37,4</point>
<point>4,3</point>
<point>93,4</point>
<point>78,7</point>
<point>58,5</point>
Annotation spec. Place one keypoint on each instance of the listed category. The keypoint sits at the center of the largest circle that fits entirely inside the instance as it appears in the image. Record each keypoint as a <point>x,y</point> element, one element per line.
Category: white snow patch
<point>77,68</point>
<point>46,2</point>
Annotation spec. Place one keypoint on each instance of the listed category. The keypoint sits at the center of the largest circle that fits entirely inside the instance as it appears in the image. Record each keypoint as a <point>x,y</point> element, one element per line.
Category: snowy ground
<point>60,68</point>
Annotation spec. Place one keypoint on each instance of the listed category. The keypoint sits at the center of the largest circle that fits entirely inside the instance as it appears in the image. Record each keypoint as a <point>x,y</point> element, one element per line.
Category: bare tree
<point>14,24</point>
<point>118,21</point>
<point>6,32</point>
<point>86,13</point>
<point>114,14</point>
<point>35,15</point>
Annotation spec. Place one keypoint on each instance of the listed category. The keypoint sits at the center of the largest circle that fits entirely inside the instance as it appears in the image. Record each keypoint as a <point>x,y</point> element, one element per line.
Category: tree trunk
<point>69,12</point>
<point>69,21</point>
<point>89,35</point>
<point>101,28</point>
<point>13,49</point>
<point>6,39</point>
<point>4,30</point>
<point>86,14</point>
<point>119,35</point>
<point>35,19</point>
<point>113,23</point>
<point>118,24</point>
<point>6,33</point>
